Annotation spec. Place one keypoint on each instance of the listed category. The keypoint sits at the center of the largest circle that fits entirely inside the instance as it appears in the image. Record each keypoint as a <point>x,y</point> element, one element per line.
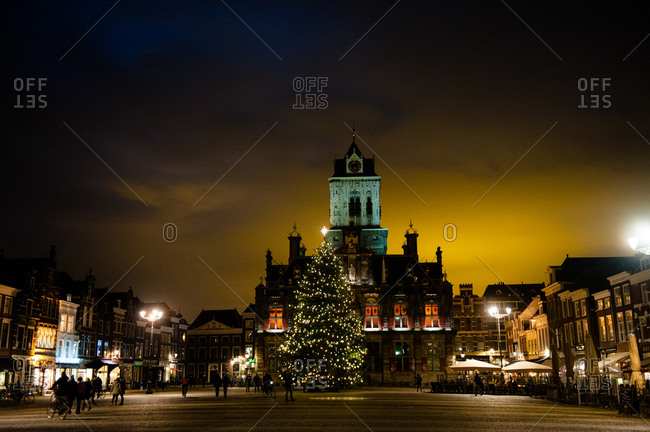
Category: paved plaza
<point>376,409</point>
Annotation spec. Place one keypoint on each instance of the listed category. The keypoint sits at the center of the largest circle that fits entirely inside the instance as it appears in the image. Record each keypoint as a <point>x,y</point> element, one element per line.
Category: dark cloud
<point>171,95</point>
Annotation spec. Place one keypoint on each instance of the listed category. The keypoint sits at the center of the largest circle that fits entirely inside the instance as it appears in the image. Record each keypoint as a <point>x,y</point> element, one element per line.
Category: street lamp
<point>642,243</point>
<point>155,315</point>
<point>494,312</point>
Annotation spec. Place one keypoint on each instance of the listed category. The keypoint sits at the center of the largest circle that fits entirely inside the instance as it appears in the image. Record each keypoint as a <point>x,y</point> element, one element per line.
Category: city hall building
<point>405,305</point>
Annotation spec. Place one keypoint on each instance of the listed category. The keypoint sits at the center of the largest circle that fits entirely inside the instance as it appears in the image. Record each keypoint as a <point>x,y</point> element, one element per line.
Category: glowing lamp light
<point>324,230</point>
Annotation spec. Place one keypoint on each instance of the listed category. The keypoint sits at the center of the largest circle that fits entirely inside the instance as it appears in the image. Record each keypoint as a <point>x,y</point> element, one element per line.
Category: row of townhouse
<point>50,322</point>
<point>605,298</point>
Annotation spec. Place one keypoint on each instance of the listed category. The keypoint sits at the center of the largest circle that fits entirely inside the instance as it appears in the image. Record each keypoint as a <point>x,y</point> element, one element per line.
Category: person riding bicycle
<point>185,382</point>
<point>267,383</point>
<point>60,388</point>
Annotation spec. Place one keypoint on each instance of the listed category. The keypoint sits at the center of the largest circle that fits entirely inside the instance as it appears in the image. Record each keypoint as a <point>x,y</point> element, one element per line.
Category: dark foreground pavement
<point>383,409</point>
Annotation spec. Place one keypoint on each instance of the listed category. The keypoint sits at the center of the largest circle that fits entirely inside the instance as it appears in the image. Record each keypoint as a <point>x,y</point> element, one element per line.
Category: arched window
<point>369,207</point>
<point>354,207</point>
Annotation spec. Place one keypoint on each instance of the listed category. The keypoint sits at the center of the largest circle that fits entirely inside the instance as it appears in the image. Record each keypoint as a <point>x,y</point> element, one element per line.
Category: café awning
<point>612,359</point>
<point>470,365</point>
<point>527,366</point>
<point>99,363</point>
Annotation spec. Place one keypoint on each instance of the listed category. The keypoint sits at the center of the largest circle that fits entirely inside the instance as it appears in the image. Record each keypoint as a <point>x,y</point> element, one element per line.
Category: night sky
<point>160,100</point>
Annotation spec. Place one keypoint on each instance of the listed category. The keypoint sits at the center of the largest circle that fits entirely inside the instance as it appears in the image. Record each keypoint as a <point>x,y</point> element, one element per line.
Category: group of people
<point>264,384</point>
<point>69,390</point>
<point>221,382</point>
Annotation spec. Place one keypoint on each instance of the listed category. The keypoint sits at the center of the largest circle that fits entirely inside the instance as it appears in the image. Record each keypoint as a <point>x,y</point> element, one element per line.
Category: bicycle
<point>57,405</point>
<point>17,395</point>
<point>268,389</point>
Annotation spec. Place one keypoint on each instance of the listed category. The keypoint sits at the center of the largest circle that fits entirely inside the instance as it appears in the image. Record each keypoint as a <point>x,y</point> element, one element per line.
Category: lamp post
<point>494,312</point>
<point>154,316</point>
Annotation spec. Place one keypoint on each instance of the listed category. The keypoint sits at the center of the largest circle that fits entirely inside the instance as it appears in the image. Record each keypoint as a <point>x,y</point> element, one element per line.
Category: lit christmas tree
<point>325,326</point>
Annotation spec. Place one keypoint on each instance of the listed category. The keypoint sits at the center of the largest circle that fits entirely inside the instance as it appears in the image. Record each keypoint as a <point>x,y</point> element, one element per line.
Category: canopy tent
<point>613,359</point>
<point>635,362</point>
<point>527,366</point>
<point>470,365</point>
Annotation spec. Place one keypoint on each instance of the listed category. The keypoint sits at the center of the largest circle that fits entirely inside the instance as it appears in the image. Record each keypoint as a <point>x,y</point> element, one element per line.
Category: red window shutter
<point>442,322</point>
<point>411,322</point>
<point>423,322</point>
<point>397,309</point>
<point>424,364</point>
<point>393,364</point>
<point>266,324</point>
<point>391,322</point>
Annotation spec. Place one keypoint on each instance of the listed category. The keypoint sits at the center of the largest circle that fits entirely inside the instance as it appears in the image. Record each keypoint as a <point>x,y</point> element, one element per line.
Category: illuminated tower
<point>355,210</point>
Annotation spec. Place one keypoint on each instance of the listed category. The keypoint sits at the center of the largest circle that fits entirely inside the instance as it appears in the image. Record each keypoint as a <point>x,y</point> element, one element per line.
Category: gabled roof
<point>227,317</point>
<point>518,292</point>
<point>340,164</point>
<point>15,271</point>
<point>592,272</point>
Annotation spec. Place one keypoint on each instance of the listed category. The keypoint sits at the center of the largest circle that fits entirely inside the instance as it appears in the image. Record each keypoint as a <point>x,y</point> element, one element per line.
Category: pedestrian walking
<point>115,391</point>
<point>185,382</point>
<point>249,381</point>
<point>226,384</point>
<point>217,384</point>
<point>71,392</point>
<point>256,383</point>
<point>122,389</point>
<point>478,383</point>
<point>418,383</point>
<point>288,384</point>
<point>81,395</point>
<point>97,386</point>
<point>89,392</point>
